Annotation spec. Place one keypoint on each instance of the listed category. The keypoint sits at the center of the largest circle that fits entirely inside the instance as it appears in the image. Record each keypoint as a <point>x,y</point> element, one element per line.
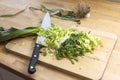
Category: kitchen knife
<point>46,23</point>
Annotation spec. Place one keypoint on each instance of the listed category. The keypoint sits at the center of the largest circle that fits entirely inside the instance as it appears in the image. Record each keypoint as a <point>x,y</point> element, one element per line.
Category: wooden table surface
<point>105,16</point>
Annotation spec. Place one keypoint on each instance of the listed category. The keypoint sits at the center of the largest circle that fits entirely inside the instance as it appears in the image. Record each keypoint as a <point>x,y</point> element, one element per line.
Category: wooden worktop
<point>105,16</point>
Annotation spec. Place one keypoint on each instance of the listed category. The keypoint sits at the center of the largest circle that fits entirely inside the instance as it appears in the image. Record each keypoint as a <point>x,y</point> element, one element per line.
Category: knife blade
<point>46,24</point>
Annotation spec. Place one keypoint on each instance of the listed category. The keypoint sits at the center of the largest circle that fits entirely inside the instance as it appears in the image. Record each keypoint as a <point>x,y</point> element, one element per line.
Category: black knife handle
<point>34,58</point>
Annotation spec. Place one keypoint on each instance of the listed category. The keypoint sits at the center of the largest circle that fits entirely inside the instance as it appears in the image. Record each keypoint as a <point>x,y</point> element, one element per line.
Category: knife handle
<point>34,58</point>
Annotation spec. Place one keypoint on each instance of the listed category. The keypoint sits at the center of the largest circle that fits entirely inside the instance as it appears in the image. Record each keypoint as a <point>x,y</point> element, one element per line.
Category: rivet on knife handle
<point>34,58</point>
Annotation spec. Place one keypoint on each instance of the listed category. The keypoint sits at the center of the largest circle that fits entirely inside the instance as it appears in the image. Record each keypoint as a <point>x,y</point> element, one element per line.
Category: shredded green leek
<point>69,43</point>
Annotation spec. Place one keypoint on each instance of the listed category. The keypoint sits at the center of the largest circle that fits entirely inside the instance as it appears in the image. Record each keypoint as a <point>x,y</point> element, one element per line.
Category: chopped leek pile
<point>68,43</point>
<point>58,42</point>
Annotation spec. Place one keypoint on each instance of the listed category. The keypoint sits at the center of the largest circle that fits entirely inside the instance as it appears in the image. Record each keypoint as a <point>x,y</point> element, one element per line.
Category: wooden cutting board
<point>90,66</point>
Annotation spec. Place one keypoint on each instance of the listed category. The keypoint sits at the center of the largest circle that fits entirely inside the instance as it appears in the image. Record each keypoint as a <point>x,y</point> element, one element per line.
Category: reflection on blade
<point>46,22</point>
